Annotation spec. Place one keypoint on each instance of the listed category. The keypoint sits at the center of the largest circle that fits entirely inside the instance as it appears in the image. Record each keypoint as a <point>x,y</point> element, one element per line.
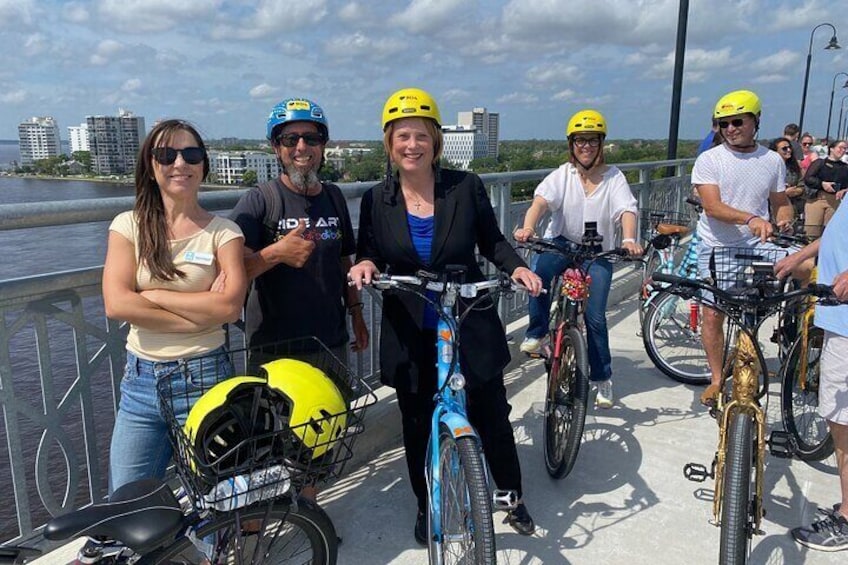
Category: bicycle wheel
<point>738,490</point>
<point>566,404</point>
<point>468,533</point>
<point>281,533</point>
<point>799,399</point>
<point>670,341</point>
<point>653,264</point>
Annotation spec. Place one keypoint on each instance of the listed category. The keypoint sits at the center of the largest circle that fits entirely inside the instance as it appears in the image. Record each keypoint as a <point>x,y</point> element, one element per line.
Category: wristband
<point>628,240</point>
<point>749,218</point>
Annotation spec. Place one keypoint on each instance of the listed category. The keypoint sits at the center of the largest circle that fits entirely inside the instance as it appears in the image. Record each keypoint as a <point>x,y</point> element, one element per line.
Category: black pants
<point>488,410</point>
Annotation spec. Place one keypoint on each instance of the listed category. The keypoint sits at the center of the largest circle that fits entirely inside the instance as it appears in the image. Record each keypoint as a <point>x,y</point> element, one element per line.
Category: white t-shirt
<point>745,181</point>
<point>196,256</point>
<point>571,208</point>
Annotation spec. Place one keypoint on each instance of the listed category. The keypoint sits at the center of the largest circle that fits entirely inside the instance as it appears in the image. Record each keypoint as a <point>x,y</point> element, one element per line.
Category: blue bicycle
<point>461,498</point>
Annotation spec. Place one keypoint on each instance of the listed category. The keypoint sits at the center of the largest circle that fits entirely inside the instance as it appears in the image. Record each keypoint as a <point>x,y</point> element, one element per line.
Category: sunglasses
<point>292,139</point>
<point>806,144</point>
<point>785,148</point>
<point>736,122</point>
<point>583,141</point>
<point>168,155</point>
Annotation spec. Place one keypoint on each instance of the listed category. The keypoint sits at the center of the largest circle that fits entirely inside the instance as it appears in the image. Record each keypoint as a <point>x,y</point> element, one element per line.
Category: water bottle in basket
<point>243,490</point>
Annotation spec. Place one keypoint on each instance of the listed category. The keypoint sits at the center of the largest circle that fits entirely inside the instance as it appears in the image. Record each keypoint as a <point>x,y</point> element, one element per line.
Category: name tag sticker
<point>198,258</point>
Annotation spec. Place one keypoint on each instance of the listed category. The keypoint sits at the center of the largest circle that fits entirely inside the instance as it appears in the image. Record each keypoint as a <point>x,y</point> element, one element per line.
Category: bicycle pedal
<point>697,473</point>
<point>781,444</point>
<point>504,499</point>
<point>537,355</point>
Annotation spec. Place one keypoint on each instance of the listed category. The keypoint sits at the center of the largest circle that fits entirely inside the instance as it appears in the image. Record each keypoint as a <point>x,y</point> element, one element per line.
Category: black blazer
<point>464,219</point>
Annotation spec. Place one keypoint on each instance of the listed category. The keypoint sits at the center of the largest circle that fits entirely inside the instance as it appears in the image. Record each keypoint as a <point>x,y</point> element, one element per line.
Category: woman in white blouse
<point>585,189</point>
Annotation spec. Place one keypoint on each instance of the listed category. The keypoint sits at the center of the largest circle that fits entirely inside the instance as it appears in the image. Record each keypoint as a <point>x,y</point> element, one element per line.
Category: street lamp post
<point>830,106</point>
<point>832,44</point>
<point>839,132</point>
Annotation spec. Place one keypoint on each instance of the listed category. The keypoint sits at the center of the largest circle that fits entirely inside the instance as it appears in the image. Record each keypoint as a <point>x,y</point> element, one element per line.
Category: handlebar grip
<point>667,278</point>
<point>694,201</point>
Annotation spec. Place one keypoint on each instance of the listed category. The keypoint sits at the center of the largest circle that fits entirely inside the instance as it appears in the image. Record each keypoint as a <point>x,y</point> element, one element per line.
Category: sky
<point>223,64</point>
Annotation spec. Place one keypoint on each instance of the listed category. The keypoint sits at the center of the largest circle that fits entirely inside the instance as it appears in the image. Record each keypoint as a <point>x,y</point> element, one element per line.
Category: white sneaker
<point>604,398</point>
<point>530,345</point>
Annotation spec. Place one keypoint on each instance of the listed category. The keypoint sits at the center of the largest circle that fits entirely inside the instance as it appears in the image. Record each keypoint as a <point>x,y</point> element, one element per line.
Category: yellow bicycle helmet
<point>235,410</point>
<point>410,103</point>
<point>313,405</point>
<point>737,102</point>
<point>586,121</point>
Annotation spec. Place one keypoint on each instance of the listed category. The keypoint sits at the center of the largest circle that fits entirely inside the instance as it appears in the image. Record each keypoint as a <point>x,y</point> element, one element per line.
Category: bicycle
<point>567,355</point>
<point>461,501</point>
<point>746,292</point>
<point>250,513</point>
<point>799,395</point>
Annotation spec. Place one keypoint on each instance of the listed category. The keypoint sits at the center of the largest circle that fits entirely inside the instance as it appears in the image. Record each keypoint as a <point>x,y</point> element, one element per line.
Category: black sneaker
<point>421,528</point>
<point>520,520</point>
<point>828,534</point>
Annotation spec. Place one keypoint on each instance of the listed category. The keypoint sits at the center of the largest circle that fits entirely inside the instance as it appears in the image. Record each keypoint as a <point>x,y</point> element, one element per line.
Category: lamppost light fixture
<point>830,106</point>
<point>832,44</point>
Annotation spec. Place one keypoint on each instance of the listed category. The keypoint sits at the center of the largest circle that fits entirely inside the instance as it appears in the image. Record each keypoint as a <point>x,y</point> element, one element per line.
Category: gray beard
<point>303,181</point>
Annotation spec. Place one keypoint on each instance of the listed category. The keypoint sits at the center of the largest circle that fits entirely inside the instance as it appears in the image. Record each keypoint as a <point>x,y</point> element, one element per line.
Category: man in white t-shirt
<point>736,182</point>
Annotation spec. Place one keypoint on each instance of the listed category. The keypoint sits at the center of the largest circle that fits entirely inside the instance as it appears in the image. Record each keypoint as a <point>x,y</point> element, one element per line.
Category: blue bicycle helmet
<point>296,110</point>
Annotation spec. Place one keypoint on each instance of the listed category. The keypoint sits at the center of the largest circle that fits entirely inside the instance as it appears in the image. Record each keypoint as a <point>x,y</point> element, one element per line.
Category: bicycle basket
<point>248,439</point>
<point>740,269</point>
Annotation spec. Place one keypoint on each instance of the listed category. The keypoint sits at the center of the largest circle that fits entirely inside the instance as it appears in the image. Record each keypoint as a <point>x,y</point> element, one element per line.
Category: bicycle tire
<point>653,264</point>
<point>738,490</point>
<point>799,405</point>
<point>468,531</point>
<point>302,534</point>
<point>566,404</point>
<point>672,346</point>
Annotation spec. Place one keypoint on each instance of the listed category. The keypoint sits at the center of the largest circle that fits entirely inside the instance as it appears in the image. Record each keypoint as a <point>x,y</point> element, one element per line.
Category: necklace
<point>417,202</point>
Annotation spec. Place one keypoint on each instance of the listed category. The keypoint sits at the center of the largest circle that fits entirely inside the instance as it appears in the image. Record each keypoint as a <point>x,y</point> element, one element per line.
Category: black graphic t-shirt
<point>286,302</point>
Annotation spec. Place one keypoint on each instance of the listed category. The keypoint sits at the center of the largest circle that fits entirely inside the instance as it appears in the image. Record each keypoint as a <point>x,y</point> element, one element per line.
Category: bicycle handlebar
<point>582,251</point>
<point>425,281</point>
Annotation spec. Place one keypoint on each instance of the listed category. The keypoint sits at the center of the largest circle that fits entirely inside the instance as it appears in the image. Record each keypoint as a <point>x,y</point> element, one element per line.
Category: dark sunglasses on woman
<point>168,155</point>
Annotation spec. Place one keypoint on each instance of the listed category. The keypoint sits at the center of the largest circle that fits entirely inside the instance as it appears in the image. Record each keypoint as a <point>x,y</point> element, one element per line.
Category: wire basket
<point>741,269</point>
<point>244,449</point>
<point>650,218</point>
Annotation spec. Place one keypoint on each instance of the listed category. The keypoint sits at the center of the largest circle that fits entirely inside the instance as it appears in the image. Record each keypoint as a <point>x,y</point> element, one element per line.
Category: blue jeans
<point>551,265</point>
<point>140,445</point>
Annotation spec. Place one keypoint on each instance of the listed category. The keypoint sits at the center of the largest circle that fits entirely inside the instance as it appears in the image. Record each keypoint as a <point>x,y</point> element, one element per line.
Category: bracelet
<point>628,240</point>
<point>749,218</point>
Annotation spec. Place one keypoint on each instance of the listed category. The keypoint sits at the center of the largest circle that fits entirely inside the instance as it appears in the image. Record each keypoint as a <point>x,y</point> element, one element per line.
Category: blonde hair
<point>432,128</point>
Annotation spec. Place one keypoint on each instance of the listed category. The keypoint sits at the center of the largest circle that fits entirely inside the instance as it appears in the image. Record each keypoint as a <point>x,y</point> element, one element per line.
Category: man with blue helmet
<point>298,240</point>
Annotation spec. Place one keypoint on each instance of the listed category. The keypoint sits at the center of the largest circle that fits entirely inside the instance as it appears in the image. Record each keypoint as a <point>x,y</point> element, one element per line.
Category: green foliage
<point>249,178</point>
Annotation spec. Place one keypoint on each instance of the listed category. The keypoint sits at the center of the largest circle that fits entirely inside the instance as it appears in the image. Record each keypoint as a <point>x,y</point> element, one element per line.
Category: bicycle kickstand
<point>504,499</point>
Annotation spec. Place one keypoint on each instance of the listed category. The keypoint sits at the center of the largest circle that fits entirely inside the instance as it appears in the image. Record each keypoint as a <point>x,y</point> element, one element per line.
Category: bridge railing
<point>61,360</point>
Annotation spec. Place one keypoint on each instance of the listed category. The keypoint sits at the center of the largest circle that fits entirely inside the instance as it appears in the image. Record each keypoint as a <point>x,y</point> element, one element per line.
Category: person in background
<point>794,185</point>
<point>711,140</point>
<point>791,132</point>
<point>807,142</point>
<point>175,272</point>
<point>426,217</point>
<point>830,531</point>
<point>299,239</point>
<point>585,189</point>
<point>828,177</point>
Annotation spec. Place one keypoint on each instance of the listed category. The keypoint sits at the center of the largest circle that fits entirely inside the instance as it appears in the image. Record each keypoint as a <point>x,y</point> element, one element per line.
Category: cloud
<point>423,16</point>
<point>352,12</point>
<point>272,17</point>
<point>75,12</point>
<point>263,91</point>
<point>140,16</point>
<point>35,44</point>
<point>518,98</point>
<point>14,96</point>
<point>563,95</point>
<point>692,101</point>
<point>105,51</point>
<point>131,85</point>
<point>769,79</point>
<point>553,74</point>
<point>783,60</point>
<point>14,13</point>
<point>358,45</point>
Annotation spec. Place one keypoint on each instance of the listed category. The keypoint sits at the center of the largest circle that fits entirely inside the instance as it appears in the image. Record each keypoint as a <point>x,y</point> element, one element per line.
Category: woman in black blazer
<point>424,217</point>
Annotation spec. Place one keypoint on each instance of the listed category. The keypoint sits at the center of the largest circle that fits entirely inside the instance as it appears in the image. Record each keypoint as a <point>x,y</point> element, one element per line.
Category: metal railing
<point>53,333</point>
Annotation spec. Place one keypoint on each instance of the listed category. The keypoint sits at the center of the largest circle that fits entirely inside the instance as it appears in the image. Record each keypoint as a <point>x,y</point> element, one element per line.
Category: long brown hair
<point>154,248</point>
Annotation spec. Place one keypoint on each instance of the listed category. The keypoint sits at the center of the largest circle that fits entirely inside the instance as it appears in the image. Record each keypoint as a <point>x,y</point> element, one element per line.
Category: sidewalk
<point>626,501</point>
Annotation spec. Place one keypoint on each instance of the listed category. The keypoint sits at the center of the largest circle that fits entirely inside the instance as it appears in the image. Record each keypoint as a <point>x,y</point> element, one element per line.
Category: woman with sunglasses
<point>794,185</point>
<point>809,155</point>
<point>828,177</point>
<point>175,272</point>
<point>585,189</point>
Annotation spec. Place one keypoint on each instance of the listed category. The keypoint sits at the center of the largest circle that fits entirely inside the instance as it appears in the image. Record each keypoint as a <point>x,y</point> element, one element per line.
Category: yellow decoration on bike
<point>315,408</point>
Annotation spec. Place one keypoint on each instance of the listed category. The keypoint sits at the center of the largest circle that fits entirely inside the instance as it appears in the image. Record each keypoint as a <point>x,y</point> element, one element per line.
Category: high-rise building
<point>228,167</point>
<point>487,123</point>
<point>114,142</point>
<point>78,137</point>
<point>39,139</point>
<point>463,144</point>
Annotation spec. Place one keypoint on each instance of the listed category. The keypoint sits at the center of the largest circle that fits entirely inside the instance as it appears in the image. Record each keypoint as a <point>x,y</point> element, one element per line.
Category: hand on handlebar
<point>521,235</point>
<point>362,274</point>
<point>633,248</point>
<point>840,286</point>
<point>760,228</point>
<point>530,280</point>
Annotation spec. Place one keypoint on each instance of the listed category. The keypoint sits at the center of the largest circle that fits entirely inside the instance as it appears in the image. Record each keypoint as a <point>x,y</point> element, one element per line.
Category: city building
<point>228,167</point>
<point>463,144</point>
<point>114,142</point>
<point>338,155</point>
<point>39,139</point>
<point>78,137</point>
<point>488,123</point>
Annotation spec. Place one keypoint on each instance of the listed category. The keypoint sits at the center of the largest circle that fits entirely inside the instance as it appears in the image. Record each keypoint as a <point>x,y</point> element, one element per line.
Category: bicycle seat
<point>142,515</point>
<point>672,229</point>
